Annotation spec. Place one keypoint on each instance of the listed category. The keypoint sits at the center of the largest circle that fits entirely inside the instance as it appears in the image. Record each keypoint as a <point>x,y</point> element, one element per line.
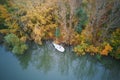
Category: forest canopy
<point>90,26</point>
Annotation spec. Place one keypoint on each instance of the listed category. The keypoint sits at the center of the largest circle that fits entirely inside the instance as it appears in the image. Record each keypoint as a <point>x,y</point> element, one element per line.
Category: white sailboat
<point>58,47</point>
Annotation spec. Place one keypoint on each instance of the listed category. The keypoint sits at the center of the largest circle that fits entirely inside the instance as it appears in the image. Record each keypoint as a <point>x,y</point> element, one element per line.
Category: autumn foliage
<point>106,50</point>
<point>88,25</point>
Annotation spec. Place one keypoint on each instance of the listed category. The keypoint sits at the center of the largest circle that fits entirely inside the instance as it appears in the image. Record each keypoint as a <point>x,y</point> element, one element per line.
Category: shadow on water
<point>48,60</point>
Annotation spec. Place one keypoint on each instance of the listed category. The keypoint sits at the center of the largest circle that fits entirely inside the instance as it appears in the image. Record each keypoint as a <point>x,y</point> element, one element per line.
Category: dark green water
<point>45,63</point>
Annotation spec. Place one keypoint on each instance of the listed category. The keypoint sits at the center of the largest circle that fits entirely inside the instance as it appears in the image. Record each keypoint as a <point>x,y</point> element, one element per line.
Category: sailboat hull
<point>58,47</point>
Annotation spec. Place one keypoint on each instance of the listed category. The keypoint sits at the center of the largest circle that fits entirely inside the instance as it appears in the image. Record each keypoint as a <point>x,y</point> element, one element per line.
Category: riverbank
<point>32,44</point>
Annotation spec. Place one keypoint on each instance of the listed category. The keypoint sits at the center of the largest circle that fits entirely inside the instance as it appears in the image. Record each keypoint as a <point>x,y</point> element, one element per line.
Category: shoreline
<point>32,44</point>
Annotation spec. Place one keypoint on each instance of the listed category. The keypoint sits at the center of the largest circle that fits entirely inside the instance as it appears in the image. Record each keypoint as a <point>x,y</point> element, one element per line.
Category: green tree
<point>18,47</point>
<point>57,32</point>
<point>82,19</point>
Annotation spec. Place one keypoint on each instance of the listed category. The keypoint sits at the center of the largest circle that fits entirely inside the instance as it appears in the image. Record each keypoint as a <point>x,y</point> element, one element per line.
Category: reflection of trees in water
<point>114,74</point>
<point>88,68</point>
<point>42,58</point>
<point>85,68</point>
<point>46,58</point>
<point>25,59</point>
<point>111,69</point>
<point>65,62</point>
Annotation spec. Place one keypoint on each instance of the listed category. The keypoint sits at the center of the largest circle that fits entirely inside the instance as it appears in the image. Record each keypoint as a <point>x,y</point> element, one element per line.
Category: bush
<point>80,49</point>
<point>12,39</point>
<point>107,49</point>
<point>18,47</point>
<point>115,42</point>
<point>86,48</point>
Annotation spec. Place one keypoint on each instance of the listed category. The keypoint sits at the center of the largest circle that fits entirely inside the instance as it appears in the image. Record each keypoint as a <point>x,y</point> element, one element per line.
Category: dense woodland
<point>90,26</point>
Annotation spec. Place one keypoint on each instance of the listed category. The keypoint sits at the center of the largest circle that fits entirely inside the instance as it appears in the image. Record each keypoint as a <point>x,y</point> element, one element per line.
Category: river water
<point>46,63</point>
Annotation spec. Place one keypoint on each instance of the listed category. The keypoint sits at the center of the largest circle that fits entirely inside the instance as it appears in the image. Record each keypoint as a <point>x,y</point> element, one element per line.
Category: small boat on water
<point>58,47</point>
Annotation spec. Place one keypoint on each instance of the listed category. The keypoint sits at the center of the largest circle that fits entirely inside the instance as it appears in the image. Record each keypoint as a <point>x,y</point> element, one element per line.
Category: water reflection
<point>111,69</point>
<point>24,59</point>
<point>65,62</point>
<point>46,59</point>
<point>42,58</point>
<point>84,67</point>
